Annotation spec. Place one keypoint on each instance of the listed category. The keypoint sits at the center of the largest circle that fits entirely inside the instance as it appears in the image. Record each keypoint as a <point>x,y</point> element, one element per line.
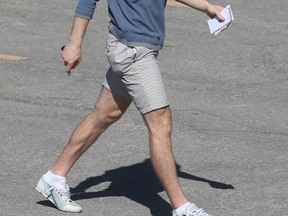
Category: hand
<point>215,10</point>
<point>72,56</point>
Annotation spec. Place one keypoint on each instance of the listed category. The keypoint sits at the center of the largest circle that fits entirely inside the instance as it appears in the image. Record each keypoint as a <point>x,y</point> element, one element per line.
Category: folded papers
<point>216,25</point>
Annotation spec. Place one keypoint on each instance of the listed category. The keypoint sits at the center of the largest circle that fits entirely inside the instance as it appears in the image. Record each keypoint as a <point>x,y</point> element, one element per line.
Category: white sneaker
<point>60,198</point>
<point>192,210</point>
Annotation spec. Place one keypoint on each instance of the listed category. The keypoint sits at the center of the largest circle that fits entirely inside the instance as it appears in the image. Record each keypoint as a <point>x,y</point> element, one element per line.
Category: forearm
<point>83,13</point>
<point>78,31</point>
<point>201,5</point>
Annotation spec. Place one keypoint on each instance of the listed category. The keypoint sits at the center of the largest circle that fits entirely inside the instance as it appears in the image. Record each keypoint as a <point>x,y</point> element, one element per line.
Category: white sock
<point>182,208</point>
<point>55,180</point>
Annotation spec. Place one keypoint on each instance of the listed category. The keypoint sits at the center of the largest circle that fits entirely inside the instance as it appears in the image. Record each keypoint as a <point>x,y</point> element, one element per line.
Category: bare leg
<point>108,109</point>
<point>159,125</point>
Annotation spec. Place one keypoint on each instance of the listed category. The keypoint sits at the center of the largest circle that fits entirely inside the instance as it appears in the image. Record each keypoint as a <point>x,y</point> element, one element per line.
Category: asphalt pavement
<point>228,96</point>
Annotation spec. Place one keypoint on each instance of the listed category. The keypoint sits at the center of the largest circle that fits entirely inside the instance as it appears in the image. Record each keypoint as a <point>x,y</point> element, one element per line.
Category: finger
<point>224,28</point>
<point>220,16</point>
<point>76,64</point>
<point>217,11</point>
<point>69,67</point>
<point>68,72</point>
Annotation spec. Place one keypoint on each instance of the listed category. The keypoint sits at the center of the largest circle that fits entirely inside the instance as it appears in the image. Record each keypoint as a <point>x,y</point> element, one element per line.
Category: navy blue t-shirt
<point>134,22</point>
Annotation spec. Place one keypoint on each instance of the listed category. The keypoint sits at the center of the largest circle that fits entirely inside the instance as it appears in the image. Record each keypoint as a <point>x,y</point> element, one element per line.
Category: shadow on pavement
<point>138,183</point>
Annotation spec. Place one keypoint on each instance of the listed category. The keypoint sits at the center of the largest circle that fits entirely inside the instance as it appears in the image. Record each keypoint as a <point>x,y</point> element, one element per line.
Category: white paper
<point>215,25</point>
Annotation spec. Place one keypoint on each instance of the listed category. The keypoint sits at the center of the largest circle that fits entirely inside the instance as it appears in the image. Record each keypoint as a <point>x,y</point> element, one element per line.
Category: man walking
<point>136,34</point>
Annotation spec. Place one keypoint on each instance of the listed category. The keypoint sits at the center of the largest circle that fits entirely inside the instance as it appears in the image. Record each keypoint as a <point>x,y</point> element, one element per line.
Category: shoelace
<point>199,212</point>
<point>64,194</point>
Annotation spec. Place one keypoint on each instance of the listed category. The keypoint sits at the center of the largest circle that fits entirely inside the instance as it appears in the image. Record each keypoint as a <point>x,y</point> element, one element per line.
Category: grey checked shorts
<point>134,73</point>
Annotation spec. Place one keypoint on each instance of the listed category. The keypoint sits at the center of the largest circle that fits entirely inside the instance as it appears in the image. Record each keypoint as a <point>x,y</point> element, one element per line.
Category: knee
<point>163,127</point>
<point>160,123</point>
<point>105,117</point>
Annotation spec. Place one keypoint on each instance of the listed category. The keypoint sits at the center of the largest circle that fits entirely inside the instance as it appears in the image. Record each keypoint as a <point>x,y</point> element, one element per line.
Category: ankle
<point>182,208</point>
<point>55,180</point>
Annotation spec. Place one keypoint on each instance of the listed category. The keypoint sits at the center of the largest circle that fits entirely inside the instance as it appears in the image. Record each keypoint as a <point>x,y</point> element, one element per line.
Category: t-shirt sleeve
<point>85,9</point>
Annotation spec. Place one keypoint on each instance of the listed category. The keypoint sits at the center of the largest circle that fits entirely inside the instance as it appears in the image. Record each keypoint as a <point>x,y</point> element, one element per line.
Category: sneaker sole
<point>51,200</point>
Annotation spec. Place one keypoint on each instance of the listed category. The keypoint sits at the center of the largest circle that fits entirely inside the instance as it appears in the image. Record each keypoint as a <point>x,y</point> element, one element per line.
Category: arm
<point>204,6</point>
<point>72,53</point>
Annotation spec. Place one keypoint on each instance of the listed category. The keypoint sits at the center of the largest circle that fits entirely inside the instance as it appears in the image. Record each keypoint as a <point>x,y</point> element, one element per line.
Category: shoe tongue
<point>193,207</point>
<point>61,185</point>
<point>64,186</point>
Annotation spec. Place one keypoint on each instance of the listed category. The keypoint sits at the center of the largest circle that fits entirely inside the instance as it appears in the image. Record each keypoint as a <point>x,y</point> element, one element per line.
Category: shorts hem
<point>106,86</point>
<point>153,107</point>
